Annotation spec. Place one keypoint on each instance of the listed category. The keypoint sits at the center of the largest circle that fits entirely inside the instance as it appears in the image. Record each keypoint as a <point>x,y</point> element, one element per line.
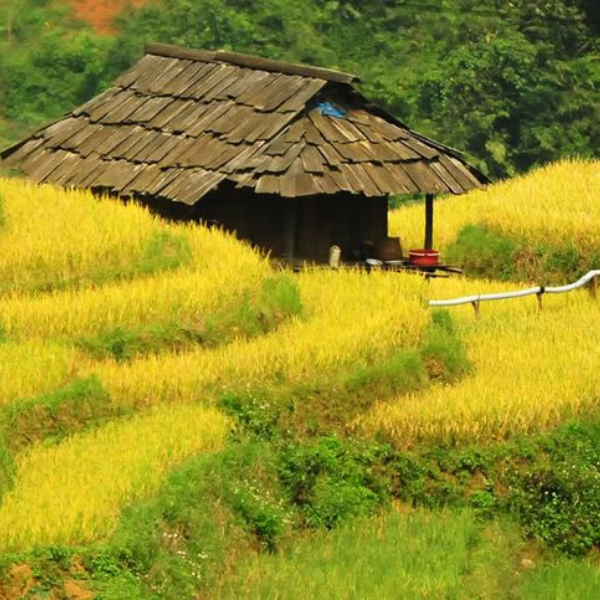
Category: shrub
<point>334,500</point>
<point>557,499</point>
<point>257,412</point>
<point>330,479</point>
<point>263,516</point>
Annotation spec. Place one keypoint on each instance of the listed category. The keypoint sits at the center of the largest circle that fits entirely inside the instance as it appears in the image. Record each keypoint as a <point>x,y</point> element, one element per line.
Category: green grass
<point>57,414</point>
<point>7,466</point>
<point>482,252</point>
<point>419,554</point>
<point>415,555</point>
<point>566,580</point>
<point>124,343</point>
<point>485,253</point>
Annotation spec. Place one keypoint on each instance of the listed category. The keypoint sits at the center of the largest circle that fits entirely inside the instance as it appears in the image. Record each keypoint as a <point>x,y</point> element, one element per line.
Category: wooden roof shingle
<point>181,121</point>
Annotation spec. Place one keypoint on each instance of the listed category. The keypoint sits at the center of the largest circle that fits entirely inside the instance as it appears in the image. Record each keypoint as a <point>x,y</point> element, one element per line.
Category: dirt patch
<point>75,590</point>
<point>100,14</point>
<point>18,582</point>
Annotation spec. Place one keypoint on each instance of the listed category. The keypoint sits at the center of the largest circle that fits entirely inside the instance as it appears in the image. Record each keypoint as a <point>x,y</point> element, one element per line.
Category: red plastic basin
<point>424,258</point>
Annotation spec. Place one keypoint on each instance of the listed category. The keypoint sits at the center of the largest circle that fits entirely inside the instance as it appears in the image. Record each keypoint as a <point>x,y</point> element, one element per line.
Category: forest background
<point>514,84</point>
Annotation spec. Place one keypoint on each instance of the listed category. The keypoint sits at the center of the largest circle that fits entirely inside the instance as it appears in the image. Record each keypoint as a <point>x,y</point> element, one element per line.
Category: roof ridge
<point>250,61</point>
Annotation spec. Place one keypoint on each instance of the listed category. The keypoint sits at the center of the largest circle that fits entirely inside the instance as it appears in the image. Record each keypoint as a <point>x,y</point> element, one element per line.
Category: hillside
<point>513,85</point>
<point>198,422</point>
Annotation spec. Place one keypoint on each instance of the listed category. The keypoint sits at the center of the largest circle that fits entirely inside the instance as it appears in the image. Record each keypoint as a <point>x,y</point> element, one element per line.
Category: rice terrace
<point>264,331</point>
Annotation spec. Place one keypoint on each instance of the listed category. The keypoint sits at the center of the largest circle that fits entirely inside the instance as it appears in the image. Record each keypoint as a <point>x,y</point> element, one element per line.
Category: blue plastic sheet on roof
<point>329,110</point>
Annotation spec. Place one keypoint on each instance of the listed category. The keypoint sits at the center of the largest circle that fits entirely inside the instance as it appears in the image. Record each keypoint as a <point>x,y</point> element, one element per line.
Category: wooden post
<point>428,222</point>
<point>539,296</point>
<point>593,287</point>
<point>476,307</point>
<point>291,219</point>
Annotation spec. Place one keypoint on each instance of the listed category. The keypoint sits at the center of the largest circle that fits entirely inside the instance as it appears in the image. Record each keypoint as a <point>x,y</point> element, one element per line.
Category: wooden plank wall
<point>322,221</point>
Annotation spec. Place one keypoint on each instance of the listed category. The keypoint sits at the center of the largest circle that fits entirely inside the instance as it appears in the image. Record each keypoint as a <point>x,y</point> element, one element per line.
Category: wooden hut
<point>292,158</point>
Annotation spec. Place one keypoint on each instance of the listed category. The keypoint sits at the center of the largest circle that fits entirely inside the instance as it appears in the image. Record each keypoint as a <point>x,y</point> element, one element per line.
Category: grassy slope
<point>112,358</point>
<point>407,556</point>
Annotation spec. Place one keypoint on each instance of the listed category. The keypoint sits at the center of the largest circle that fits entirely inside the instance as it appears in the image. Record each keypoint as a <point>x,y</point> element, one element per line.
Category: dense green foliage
<point>213,513</point>
<point>514,85</point>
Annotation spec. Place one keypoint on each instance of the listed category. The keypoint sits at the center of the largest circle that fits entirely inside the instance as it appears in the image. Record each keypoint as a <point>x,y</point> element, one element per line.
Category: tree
<point>514,84</point>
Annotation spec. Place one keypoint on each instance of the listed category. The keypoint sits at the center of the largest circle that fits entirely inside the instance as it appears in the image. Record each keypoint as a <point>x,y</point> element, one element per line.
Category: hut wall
<point>313,231</point>
<point>314,223</point>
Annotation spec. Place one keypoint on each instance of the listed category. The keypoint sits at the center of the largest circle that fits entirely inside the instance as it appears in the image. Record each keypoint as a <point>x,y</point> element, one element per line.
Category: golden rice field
<point>341,328</point>
<point>175,296</point>
<point>53,234</point>
<point>72,492</point>
<point>530,370</point>
<point>557,204</point>
<point>31,369</point>
<point>54,237</point>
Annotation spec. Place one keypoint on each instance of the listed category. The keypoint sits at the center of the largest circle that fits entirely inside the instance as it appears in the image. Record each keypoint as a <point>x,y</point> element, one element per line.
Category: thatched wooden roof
<point>181,122</point>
